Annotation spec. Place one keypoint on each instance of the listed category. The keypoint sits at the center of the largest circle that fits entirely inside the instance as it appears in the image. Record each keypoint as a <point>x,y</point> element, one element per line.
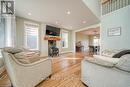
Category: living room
<point>38,40</point>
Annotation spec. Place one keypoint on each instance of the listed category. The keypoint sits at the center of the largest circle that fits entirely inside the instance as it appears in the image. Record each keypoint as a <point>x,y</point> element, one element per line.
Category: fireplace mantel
<point>52,38</point>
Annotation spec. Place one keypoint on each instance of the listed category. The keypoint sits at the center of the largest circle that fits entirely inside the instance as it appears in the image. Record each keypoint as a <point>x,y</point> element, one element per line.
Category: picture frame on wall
<point>114,31</point>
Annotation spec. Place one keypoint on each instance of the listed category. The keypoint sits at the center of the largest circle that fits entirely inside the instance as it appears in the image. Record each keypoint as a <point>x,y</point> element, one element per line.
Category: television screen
<point>50,30</point>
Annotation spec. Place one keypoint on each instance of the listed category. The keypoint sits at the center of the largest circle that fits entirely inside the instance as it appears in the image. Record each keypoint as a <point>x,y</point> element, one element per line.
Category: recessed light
<point>56,22</point>
<point>83,22</point>
<point>68,12</point>
<point>29,14</point>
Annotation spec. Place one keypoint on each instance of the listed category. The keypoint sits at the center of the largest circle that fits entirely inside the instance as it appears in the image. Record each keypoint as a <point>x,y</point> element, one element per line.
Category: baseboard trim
<point>66,52</point>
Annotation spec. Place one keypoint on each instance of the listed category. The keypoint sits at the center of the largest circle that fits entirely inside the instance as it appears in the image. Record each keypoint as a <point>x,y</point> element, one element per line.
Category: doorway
<point>88,41</point>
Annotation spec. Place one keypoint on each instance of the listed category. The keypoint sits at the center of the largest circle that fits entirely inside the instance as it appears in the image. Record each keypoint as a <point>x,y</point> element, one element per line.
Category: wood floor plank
<point>66,69</point>
<point>66,72</point>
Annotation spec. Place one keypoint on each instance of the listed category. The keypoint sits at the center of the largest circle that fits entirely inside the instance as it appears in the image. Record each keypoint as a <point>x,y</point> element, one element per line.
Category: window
<point>31,36</point>
<point>64,39</point>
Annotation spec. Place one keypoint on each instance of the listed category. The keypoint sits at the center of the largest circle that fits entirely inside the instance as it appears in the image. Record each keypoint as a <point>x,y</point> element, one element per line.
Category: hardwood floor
<point>66,72</point>
<point>4,80</point>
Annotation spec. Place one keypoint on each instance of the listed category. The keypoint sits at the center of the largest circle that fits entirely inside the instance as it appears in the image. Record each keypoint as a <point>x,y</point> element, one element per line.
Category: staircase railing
<point>112,5</point>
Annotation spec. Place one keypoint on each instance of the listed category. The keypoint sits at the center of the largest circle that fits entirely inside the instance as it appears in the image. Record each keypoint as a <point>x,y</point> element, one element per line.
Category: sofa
<point>23,73</point>
<point>106,71</point>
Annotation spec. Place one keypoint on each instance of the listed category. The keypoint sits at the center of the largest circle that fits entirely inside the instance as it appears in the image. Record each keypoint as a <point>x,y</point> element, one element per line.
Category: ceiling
<point>91,31</point>
<point>54,12</point>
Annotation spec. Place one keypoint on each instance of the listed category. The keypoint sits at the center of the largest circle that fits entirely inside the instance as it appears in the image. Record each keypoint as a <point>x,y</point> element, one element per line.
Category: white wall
<point>19,32</point>
<point>94,6</point>
<point>81,37</point>
<point>119,18</point>
<point>43,43</point>
<point>84,40</point>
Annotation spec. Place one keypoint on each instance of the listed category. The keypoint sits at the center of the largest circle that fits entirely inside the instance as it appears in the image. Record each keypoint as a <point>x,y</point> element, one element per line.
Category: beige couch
<point>105,71</point>
<point>26,75</point>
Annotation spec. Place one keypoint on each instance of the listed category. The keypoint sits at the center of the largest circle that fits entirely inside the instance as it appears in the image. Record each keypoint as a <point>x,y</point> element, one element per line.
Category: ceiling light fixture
<point>84,22</point>
<point>68,12</point>
<point>29,14</point>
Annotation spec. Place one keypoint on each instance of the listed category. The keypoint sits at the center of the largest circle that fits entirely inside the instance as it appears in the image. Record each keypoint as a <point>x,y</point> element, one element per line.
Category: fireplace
<point>52,48</point>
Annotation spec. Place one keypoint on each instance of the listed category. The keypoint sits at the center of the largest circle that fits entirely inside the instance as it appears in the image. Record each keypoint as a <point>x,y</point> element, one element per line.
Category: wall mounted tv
<point>53,31</point>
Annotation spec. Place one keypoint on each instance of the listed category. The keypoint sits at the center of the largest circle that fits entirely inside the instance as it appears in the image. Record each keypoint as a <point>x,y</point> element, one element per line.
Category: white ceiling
<point>50,11</point>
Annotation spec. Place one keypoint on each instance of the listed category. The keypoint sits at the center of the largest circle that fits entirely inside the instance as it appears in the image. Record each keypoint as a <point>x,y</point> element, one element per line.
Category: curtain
<point>2,32</point>
<point>7,32</point>
<point>10,31</point>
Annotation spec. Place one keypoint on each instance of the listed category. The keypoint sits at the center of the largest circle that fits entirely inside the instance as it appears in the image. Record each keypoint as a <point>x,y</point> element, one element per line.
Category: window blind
<point>31,36</point>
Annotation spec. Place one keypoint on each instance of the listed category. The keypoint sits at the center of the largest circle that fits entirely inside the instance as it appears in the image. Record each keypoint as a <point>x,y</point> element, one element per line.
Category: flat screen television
<point>53,31</point>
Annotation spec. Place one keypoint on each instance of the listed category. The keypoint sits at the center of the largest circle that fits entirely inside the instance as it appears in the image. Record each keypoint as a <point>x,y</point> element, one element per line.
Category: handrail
<point>109,6</point>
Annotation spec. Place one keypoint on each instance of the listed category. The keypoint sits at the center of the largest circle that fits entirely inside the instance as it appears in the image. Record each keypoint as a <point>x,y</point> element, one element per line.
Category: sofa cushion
<point>110,52</point>
<point>108,59</point>
<point>28,50</point>
<point>107,62</point>
<point>25,61</point>
<point>12,50</point>
<point>124,63</point>
<point>27,57</point>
